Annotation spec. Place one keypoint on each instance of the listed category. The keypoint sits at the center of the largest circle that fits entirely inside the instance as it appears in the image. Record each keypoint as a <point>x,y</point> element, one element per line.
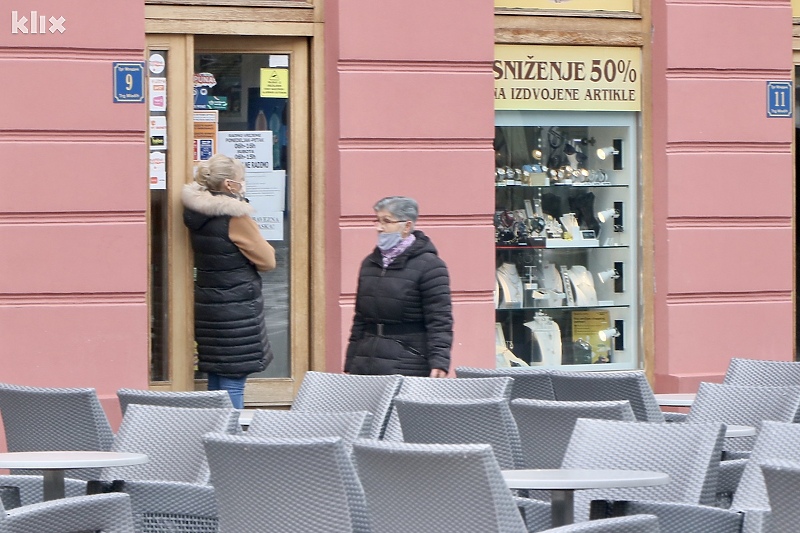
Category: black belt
<point>394,329</point>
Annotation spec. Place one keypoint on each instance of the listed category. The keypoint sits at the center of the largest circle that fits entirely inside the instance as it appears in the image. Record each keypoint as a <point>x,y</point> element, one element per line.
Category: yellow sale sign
<point>574,78</point>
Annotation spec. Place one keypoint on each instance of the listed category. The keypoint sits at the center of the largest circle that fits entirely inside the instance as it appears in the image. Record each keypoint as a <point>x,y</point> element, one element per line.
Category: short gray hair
<point>401,207</point>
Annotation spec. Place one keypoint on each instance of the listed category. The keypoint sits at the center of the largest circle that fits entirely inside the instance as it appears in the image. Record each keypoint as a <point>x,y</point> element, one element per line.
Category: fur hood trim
<point>197,198</point>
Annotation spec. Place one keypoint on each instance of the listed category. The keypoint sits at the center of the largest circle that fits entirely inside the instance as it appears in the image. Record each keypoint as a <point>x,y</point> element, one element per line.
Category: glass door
<point>245,97</point>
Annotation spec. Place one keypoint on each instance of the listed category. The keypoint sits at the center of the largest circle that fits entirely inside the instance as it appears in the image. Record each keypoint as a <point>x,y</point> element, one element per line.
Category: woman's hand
<point>438,373</point>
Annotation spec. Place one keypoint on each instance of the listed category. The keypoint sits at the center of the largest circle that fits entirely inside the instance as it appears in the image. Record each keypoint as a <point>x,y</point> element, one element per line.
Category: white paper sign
<point>267,191</point>
<point>270,225</point>
<point>252,148</point>
<point>158,170</point>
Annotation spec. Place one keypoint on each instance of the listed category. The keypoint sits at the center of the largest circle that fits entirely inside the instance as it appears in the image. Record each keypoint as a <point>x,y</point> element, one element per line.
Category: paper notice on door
<point>270,225</point>
<point>267,190</point>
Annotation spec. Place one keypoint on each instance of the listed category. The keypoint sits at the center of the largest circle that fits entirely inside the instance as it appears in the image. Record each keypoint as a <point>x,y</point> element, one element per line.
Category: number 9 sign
<point>128,82</point>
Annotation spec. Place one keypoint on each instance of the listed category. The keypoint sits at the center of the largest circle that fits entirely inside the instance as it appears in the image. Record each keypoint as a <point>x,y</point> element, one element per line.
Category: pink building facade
<point>406,108</point>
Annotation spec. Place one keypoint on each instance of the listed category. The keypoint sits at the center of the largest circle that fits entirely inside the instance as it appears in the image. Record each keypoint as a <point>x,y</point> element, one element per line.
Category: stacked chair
<point>266,484</point>
<point>322,392</point>
<point>531,383</point>
<point>213,399</point>
<point>756,373</point>
<point>171,492</point>
<point>419,388</point>
<point>783,484</point>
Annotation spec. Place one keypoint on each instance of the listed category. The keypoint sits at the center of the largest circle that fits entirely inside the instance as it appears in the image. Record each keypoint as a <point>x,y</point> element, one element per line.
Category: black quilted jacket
<point>411,298</point>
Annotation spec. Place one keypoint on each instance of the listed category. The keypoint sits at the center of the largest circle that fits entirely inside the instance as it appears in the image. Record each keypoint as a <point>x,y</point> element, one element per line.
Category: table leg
<point>53,484</point>
<point>562,507</point>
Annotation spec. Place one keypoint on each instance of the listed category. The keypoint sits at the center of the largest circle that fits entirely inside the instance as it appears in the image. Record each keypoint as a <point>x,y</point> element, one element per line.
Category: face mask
<point>387,241</point>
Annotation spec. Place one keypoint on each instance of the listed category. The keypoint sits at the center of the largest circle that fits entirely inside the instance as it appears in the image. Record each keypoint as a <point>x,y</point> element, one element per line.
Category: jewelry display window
<point>567,239</point>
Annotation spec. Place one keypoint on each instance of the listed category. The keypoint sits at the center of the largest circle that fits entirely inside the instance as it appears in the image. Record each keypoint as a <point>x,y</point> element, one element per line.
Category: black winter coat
<point>229,320</point>
<point>411,299</point>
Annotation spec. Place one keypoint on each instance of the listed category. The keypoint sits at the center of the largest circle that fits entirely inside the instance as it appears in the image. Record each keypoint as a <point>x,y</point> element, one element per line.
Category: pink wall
<point>73,271</point>
<point>409,111</point>
<point>723,189</point>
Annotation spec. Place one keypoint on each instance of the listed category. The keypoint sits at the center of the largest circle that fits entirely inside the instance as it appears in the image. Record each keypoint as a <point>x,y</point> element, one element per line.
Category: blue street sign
<point>128,81</point>
<point>779,99</point>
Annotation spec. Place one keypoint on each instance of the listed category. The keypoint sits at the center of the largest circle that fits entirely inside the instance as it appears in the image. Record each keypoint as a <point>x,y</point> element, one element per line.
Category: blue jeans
<point>234,386</point>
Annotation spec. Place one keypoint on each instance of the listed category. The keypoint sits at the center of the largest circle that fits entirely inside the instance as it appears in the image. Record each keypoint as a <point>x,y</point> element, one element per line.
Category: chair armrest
<point>31,487</point>
<point>110,513</point>
<point>535,513</point>
<point>166,497</point>
<point>673,517</point>
<point>730,472</point>
<point>669,416</point>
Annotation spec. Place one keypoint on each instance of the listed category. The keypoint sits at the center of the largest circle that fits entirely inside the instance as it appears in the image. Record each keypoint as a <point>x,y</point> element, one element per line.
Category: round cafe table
<point>562,484</point>
<point>678,399</point>
<point>54,463</point>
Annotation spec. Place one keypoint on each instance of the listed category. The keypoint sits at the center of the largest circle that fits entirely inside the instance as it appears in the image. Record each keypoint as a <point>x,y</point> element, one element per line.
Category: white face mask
<point>387,241</point>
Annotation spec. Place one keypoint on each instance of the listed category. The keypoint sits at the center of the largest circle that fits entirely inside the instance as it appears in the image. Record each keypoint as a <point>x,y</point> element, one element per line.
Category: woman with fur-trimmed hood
<point>229,253</point>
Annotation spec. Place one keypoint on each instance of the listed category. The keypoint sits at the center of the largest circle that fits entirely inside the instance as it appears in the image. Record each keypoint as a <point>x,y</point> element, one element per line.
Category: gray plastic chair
<point>437,487</point>
<point>631,385</point>
<point>110,513</point>
<point>758,373</point>
<point>783,484</point>
<point>299,425</point>
<point>545,427</point>
<point>212,399</point>
<point>452,389</point>
<point>44,419</point>
<point>483,421</point>
<point>625,524</point>
<point>533,383</point>
<point>266,484</point>
<point>322,392</point>
<point>750,509</point>
<point>749,406</point>
<point>170,492</point>
<point>689,453</point>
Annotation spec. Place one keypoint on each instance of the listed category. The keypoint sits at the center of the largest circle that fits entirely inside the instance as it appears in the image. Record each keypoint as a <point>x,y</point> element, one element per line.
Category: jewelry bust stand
<point>583,286</point>
<point>511,284</point>
<point>504,358</point>
<point>547,335</point>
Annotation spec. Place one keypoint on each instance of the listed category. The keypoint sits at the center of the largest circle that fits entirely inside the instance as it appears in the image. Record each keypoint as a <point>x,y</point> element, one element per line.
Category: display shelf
<point>589,319</point>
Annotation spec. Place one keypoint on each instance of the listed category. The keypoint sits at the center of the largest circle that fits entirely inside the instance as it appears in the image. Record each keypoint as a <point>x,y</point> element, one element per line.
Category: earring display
<point>560,244</point>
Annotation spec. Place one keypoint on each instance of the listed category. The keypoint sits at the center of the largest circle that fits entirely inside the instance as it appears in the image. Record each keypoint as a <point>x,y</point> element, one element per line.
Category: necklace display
<point>581,280</point>
<point>546,333</point>
<point>510,284</point>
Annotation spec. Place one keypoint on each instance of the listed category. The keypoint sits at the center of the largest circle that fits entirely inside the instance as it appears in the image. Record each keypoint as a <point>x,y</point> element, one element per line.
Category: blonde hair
<point>213,172</point>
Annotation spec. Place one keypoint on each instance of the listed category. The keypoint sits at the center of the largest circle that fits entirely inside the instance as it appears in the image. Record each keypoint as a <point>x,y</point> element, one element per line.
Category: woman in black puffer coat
<point>229,252</point>
<point>403,321</point>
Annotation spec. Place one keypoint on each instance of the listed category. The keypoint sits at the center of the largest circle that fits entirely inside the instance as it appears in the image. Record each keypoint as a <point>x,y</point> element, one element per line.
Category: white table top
<point>573,479</point>
<point>245,416</point>
<point>732,430</point>
<point>69,459</point>
<point>679,399</point>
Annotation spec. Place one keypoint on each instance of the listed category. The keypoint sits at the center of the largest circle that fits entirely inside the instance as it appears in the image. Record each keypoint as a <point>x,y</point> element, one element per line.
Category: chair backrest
<point>264,484</point>
<point>775,441</point>
<point>323,392</point>
<point>533,383</point>
<point>626,524</point>
<point>749,406</point>
<point>689,453</point>
<point>783,484</point>
<point>545,427</point>
<point>631,385</point>
<point>482,421</point>
<point>110,513</point>
<point>172,439</point>
<point>300,425</point>
<point>42,419</point>
<point>758,373</point>
<point>427,388</point>
<point>435,487</point>
<point>211,399</point>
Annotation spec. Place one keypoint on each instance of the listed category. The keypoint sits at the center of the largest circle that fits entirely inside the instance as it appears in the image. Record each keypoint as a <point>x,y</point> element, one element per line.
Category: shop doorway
<point>247,97</point>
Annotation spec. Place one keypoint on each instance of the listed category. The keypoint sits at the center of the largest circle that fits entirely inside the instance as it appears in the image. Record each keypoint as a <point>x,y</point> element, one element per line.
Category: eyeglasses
<point>387,221</point>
